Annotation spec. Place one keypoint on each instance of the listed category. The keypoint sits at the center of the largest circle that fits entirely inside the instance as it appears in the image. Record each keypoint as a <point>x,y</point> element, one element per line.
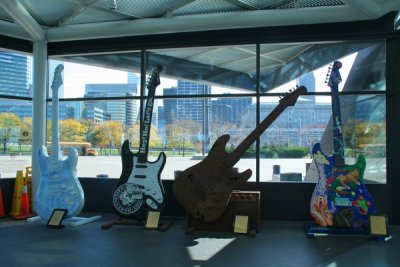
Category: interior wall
<point>279,200</point>
<point>393,125</point>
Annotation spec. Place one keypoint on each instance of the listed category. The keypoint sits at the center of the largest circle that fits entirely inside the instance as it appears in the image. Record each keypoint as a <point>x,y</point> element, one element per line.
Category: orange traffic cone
<point>24,211</point>
<point>2,213</point>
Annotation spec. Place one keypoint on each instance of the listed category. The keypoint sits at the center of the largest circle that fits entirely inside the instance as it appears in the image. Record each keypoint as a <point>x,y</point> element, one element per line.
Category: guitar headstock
<point>154,80</point>
<point>333,77</point>
<point>57,79</point>
<point>290,98</point>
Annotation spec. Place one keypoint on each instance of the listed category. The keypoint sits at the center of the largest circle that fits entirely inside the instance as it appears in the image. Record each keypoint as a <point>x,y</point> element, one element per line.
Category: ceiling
<point>65,20</point>
<point>69,20</point>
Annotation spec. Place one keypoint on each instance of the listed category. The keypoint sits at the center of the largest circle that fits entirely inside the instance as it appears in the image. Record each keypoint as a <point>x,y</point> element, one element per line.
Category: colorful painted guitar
<point>139,189</point>
<point>340,198</point>
<point>204,189</point>
<point>59,187</point>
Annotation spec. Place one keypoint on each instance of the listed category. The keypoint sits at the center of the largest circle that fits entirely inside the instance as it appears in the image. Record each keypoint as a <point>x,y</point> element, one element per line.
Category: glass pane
<point>218,70</point>
<point>193,125</point>
<point>185,125</point>
<point>15,115</point>
<point>80,80</point>
<point>96,129</point>
<point>286,144</point>
<point>16,136</point>
<point>307,64</point>
<point>15,74</point>
<point>365,133</point>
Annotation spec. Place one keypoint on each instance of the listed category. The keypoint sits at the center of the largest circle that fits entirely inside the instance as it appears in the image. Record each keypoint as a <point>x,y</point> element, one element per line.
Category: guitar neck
<point>145,130</point>
<point>338,145</point>
<point>234,157</point>
<point>55,147</point>
<point>148,113</point>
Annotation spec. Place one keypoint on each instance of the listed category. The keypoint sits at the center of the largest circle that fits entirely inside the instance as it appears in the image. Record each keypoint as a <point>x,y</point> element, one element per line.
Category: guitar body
<point>139,189</point>
<point>204,189</point>
<point>340,198</point>
<point>59,187</point>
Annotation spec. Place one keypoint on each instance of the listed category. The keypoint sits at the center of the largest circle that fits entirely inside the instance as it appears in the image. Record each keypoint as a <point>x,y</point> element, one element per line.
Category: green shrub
<point>283,152</point>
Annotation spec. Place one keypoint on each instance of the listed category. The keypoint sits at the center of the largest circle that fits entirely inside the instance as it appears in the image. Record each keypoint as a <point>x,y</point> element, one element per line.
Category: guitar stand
<point>76,221</point>
<point>314,231</point>
<point>162,226</point>
<point>190,230</point>
<point>241,204</point>
<point>72,221</point>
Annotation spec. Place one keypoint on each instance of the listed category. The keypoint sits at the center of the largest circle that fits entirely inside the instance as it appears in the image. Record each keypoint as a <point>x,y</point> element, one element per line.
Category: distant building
<point>14,74</point>
<point>308,80</point>
<point>300,125</point>
<point>124,111</point>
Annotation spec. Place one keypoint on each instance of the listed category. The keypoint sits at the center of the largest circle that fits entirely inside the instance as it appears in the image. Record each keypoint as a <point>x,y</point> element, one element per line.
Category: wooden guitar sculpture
<point>340,198</point>
<point>204,189</point>
<point>59,187</point>
<point>139,189</point>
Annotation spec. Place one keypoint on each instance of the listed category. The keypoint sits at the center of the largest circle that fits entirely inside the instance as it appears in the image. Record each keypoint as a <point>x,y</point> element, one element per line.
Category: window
<point>207,92</point>
<point>15,112</point>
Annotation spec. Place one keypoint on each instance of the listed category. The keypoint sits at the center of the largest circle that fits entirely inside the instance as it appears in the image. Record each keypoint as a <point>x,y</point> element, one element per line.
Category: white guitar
<point>59,187</point>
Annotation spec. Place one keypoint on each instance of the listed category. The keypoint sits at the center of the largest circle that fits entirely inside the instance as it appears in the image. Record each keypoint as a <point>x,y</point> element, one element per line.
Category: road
<point>112,166</point>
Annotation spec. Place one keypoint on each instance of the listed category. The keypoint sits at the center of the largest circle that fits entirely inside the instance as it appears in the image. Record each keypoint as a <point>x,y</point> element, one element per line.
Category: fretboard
<point>55,147</point>
<point>145,130</point>
<point>338,145</point>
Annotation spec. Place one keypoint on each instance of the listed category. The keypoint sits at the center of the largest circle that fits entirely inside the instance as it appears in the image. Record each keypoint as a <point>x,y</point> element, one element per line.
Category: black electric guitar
<point>340,198</point>
<point>139,189</point>
<point>205,188</point>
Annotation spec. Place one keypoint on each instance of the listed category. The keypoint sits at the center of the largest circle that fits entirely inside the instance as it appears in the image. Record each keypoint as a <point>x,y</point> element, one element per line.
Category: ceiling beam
<point>166,25</point>
<point>23,18</point>
<point>13,30</point>
<point>372,8</point>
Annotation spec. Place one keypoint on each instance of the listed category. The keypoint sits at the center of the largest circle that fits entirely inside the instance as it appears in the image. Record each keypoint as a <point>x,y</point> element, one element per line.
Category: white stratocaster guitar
<point>59,187</point>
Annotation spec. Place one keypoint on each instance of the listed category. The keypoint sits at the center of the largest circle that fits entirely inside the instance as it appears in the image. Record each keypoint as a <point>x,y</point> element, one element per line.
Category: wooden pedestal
<point>245,203</point>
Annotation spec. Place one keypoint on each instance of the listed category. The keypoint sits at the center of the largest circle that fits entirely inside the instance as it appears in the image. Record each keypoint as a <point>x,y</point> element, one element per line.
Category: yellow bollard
<point>16,203</point>
<point>28,180</point>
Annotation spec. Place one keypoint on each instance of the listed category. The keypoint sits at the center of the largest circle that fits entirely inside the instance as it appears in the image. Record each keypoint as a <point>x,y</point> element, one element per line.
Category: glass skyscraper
<point>15,77</point>
<point>14,74</point>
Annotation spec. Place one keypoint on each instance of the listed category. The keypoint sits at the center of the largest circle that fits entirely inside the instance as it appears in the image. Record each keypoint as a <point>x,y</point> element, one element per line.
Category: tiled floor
<point>279,243</point>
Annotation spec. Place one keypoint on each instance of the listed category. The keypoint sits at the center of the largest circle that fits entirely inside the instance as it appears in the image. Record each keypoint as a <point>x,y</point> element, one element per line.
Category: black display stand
<point>163,224</point>
<point>313,230</point>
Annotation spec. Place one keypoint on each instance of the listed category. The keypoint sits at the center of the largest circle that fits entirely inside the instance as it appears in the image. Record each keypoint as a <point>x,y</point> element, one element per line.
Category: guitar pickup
<point>140,176</point>
<point>141,166</point>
